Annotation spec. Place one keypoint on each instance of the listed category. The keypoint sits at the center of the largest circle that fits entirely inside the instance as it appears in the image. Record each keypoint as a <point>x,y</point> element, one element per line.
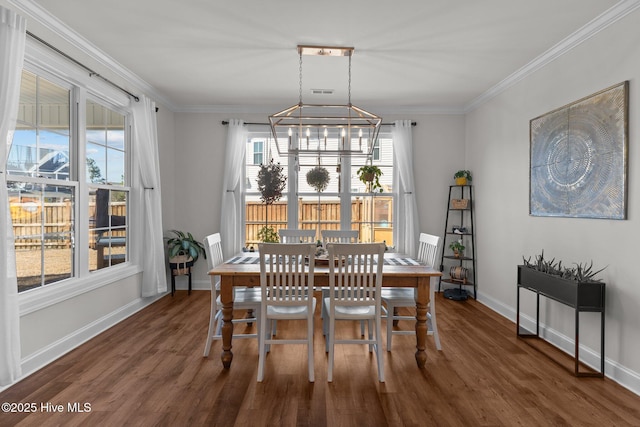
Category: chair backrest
<point>355,273</point>
<point>213,250</point>
<point>428,248</point>
<point>290,235</point>
<point>339,236</point>
<point>286,273</point>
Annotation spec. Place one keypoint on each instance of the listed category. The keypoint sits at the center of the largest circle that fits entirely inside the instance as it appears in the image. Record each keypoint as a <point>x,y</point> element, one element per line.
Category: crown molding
<point>607,18</point>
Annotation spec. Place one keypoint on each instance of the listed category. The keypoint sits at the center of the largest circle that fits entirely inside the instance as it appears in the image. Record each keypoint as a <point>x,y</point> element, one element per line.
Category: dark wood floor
<point>149,370</point>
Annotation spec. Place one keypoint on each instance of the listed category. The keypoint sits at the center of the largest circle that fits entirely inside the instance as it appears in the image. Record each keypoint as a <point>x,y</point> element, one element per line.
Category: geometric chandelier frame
<point>350,130</point>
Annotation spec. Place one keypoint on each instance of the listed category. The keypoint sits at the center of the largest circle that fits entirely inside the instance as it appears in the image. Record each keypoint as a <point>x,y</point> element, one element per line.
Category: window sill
<point>40,298</point>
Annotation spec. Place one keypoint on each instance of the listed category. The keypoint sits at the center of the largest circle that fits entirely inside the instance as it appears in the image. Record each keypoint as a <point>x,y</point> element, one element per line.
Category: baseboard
<point>50,353</point>
<point>622,375</point>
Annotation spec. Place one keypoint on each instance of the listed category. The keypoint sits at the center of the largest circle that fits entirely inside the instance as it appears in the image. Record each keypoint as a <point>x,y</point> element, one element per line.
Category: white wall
<point>497,152</point>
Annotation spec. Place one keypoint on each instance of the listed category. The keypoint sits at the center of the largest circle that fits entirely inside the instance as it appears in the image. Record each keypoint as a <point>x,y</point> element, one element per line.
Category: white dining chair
<point>355,280</point>
<point>428,249</point>
<point>286,283</point>
<point>243,298</point>
<point>339,236</point>
<point>290,235</point>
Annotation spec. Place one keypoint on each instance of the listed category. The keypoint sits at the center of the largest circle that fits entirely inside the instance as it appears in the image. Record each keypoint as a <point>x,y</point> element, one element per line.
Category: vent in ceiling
<point>322,91</point>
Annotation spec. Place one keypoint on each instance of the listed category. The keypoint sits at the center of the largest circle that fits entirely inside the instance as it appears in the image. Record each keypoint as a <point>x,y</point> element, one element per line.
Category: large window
<point>346,203</point>
<point>49,195</point>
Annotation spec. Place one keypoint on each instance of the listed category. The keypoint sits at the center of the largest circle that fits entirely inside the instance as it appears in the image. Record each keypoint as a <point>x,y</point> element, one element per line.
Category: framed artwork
<point>578,163</point>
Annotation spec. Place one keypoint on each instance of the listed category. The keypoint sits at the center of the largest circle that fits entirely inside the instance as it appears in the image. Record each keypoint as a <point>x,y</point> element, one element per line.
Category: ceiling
<point>410,55</point>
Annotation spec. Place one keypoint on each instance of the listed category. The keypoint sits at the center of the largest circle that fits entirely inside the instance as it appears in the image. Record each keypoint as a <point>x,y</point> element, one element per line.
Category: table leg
<point>422,300</point>
<point>226,298</point>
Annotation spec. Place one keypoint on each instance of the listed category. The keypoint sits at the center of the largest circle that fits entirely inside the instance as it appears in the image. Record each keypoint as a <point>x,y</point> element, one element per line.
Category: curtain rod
<point>91,72</point>
<point>226,122</point>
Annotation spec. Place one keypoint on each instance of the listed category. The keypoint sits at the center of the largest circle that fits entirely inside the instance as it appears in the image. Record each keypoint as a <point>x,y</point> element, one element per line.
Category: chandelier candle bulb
<point>290,145</point>
<point>325,138</point>
<point>360,138</point>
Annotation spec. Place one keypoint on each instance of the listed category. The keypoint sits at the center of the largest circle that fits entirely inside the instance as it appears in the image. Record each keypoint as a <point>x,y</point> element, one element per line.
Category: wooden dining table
<point>397,271</point>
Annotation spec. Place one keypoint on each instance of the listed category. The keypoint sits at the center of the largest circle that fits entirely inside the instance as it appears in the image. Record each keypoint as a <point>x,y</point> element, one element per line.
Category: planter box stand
<point>583,297</point>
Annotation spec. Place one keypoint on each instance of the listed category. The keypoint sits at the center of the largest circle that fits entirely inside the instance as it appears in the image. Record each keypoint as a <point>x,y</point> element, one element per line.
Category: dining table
<point>398,271</point>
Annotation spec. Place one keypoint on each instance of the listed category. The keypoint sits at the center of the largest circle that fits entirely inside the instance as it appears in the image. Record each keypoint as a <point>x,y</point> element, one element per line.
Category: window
<point>258,150</point>
<point>258,216</point>
<point>376,150</point>
<point>46,181</point>
<point>344,204</point>
<point>105,163</point>
<point>41,195</point>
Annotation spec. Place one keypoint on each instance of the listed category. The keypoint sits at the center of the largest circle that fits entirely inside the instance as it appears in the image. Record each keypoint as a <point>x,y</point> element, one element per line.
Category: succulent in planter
<point>185,245</point>
<point>580,273</point>
<point>462,176</point>
<point>370,176</point>
<point>457,247</point>
<point>318,178</point>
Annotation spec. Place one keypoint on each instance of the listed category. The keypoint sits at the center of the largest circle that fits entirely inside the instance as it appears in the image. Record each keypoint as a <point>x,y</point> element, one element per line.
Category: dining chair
<point>428,249</point>
<point>290,235</point>
<point>286,284</point>
<point>339,236</point>
<point>243,298</point>
<point>355,280</point>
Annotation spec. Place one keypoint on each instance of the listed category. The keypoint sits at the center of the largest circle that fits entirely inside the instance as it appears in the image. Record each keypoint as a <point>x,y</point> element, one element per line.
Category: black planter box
<point>584,296</point>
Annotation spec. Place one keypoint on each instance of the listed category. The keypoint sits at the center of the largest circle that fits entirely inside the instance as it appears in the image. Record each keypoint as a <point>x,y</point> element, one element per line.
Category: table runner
<point>253,259</point>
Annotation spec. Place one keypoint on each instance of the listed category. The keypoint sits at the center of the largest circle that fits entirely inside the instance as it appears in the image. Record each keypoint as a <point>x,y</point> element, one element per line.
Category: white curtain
<point>12,40</point>
<point>154,277</point>
<point>232,189</point>
<point>406,234</point>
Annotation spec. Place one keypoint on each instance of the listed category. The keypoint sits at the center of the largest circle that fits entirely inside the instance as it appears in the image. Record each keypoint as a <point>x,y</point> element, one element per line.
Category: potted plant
<point>271,182</point>
<point>318,178</point>
<point>370,176</point>
<point>462,176</point>
<point>458,248</point>
<point>184,249</point>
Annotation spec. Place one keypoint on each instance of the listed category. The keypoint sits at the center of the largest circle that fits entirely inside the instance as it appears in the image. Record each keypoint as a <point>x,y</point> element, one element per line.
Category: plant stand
<point>180,269</point>
<point>583,297</point>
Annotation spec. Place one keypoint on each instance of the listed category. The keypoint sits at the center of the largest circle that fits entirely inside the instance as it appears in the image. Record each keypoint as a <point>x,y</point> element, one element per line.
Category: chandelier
<point>325,129</point>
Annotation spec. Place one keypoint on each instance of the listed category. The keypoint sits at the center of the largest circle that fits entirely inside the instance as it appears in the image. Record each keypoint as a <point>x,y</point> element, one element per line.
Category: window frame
<point>53,67</point>
<point>293,175</point>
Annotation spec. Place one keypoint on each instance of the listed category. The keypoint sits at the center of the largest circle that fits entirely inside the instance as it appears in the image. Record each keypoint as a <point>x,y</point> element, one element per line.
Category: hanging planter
<point>370,176</point>
<point>318,178</point>
<point>271,182</point>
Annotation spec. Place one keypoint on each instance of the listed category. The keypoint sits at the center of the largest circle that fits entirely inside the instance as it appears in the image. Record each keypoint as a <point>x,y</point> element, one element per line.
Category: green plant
<point>185,244</point>
<point>370,175</point>
<point>463,174</point>
<point>271,182</point>
<point>457,246</point>
<point>318,178</point>
<point>580,273</point>
<point>268,235</point>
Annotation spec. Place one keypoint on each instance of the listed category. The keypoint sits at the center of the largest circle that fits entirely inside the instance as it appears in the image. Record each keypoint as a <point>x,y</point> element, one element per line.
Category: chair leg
<point>390,310</point>
<point>434,326</point>
<point>212,325</point>
<point>331,336</point>
<point>379,349</point>
<point>310,347</point>
<point>262,347</point>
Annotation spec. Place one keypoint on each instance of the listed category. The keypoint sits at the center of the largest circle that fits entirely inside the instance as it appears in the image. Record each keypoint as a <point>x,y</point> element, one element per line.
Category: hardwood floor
<point>149,370</point>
